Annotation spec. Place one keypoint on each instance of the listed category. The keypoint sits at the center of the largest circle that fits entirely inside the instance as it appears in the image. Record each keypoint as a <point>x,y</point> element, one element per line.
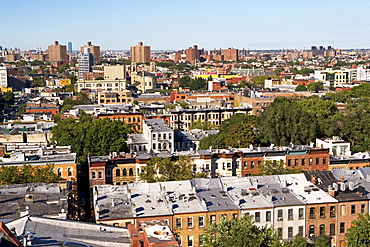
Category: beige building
<point>109,97</point>
<point>100,85</point>
<point>94,49</point>
<point>115,72</point>
<point>140,53</point>
<point>143,80</point>
<point>57,54</point>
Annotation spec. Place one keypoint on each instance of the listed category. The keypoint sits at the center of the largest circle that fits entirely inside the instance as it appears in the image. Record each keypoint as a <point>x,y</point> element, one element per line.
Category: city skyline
<point>164,25</point>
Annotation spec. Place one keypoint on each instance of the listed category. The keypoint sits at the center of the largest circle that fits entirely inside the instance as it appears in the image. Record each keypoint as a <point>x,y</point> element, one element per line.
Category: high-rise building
<point>230,54</point>
<point>85,62</point>
<point>193,54</point>
<point>57,54</point>
<point>94,50</point>
<point>3,76</point>
<point>140,53</point>
<point>69,47</point>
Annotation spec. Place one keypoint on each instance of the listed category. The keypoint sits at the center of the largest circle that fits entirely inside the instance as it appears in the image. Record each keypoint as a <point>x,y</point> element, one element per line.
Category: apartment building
<point>94,50</point>
<point>140,53</point>
<point>100,85</point>
<point>57,54</point>
<point>3,76</point>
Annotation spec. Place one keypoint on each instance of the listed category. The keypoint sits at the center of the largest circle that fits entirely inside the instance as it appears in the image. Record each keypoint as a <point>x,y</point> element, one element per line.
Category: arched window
<point>131,172</point>
<point>124,172</point>
<point>69,171</point>
<point>93,175</point>
<point>60,171</point>
<point>118,172</point>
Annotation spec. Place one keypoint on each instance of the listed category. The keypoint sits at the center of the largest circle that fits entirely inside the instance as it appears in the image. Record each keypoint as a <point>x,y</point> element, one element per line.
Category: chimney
<point>56,42</point>
<point>331,191</point>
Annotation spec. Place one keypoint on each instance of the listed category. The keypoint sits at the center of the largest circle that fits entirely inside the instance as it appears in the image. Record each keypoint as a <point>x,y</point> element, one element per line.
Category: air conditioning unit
<point>280,218</point>
<point>312,235</point>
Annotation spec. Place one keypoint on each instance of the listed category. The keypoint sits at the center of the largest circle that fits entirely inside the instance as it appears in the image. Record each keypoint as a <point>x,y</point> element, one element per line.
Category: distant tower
<point>57,54</point>
<point>140,53</point>
<point>69,47</point>
<point>94,50</point>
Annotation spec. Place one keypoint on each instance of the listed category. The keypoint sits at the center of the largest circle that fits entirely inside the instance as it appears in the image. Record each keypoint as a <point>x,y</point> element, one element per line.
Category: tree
<point>359,232</point>
<point>28,174</point>
<point>38,82</point>
<point>239,232</point>
<point>21,109</point>
<point>298,241</point>
<point>203,125</point>
<point>322,241</point>
<point>301,88</point>
<point>273,167</point>
<point>8,99</point>
<point>163,169</point>
<point>63,68</point>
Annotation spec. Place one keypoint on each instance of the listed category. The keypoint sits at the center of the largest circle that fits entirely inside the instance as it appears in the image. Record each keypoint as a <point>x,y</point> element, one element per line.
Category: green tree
<point>8,99</point>
<point>298,241</point>
<point>359,232</point>
<point>322,241</point>
<point>163,169</point>
<point>259,81</point>
<point>38,82</point>
<point>63,68</point>
<point>313,86</point>
<point>239,232</point>
<point>274,167</point>
<point>9,175</point>
<point>203,125</point>
<point>301,88</point>
<point>21,109</point>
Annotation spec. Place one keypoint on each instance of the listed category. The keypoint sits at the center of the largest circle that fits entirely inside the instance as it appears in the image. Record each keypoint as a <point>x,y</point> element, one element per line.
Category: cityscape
<point>185,124</point>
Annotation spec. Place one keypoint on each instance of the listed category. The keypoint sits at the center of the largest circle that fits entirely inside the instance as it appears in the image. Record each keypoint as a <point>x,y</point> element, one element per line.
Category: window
<point>93,175</point>
<point>322,212</point>
<point>257,217</point>
<point>190,240</point>
<point>342,227</point>
<point>303,162</point>
<point>169,136</point>
<point>290,232</point>
<point>353,209</point>
<point>124,172</point>
<point>60,172</point>
<point>317,161</point>
<point>324,161</point>
<point>312,213</point>
<point>178,222</point>
<point>332,211</point>
<point>343,210</point>
<point>252,164</point>
<point>332,229</point>
<point>179,240</point>
<point>235,216</point>
<point>280,215</point>
<point>159,136</point>
<point>201,240</point>
<point>201,221</point>
<point>190,222</point>
<point>310,162</point>
<point>245,165</point>
<point>131,172</point>
<point>213,218</point>
<point>154,146</point>
<point>280,232</point>
<point>69,171</point>
<point>268,215</point>
<point>312,230</point>
<point>100,174</point>
<point>322,229</point>
<point>363,207</point>
<point>164,136</point>
<point>290,214</point>
<point>289,162</point>
<point>300,214</point>
<point>296,162</point>
<point>153,136</point>
<point>300,231</point>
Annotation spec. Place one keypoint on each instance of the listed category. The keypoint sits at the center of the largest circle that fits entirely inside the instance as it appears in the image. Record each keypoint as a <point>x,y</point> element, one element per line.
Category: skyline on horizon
<point>164,25</point>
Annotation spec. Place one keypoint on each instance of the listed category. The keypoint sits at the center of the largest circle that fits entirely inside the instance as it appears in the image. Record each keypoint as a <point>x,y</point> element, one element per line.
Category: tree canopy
<point>28,174</point>
<point>193,84</point>
<point>358,234</point>
<point>239,232</point>
<point>163,169</point>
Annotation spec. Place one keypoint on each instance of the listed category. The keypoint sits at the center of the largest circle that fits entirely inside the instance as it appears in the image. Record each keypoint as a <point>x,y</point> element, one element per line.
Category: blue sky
<point>175,25</point>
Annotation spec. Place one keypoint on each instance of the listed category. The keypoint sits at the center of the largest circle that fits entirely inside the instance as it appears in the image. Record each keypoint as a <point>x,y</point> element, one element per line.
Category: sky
<point>177,25</point>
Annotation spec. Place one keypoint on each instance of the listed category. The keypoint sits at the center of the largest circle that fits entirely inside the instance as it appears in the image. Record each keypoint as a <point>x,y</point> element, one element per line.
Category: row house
<point>182,119</point>
<point>291,204</point>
